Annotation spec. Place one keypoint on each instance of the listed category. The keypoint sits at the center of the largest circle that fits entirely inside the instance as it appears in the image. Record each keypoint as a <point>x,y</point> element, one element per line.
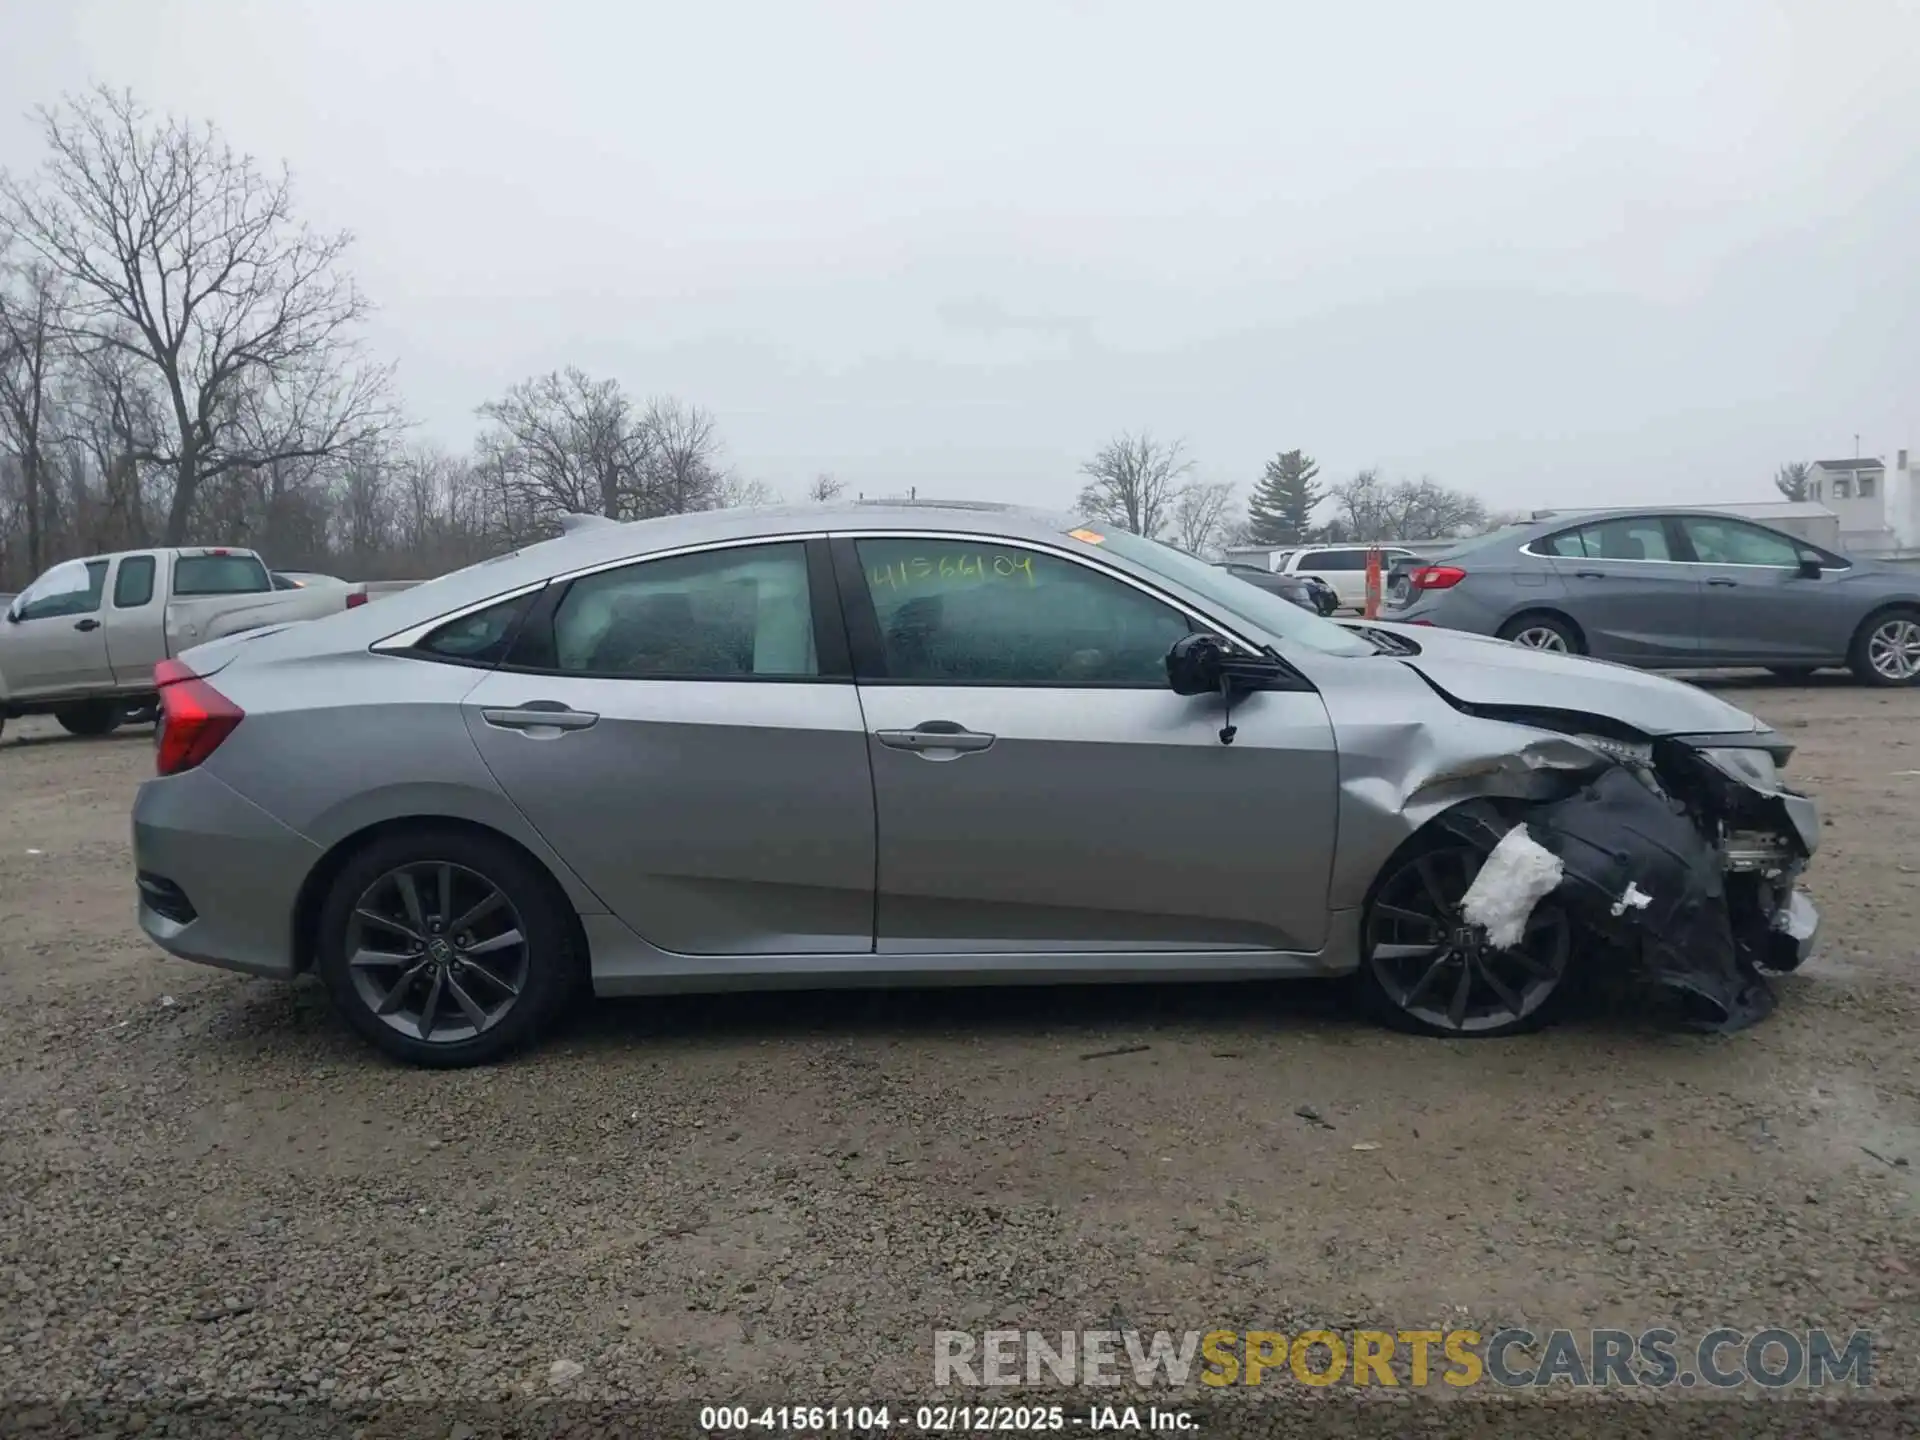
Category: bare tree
<point>683,458</point>
<point>187,256</point>
<point>825,489</point>
<point>738,490</point>
<point>108,410</point>
<point>1200,516</point>
<point>567,443</point>
<point>30,303</point>
<point>1367,508</point>
<point>1134,481</point>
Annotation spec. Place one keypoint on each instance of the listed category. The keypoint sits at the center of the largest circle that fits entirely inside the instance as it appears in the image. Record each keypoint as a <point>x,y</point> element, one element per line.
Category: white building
<point>1878,509</point>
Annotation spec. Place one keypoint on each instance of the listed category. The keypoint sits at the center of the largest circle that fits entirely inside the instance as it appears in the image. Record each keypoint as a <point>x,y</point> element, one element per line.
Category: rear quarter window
<point>219,575</point>
<point>133,585</point>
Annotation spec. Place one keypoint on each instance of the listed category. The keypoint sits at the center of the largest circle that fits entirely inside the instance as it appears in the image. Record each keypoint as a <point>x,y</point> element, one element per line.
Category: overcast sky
<point>1650,252</point>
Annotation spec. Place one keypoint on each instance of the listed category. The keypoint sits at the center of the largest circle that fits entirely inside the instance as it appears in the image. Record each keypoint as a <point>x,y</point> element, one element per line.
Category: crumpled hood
<point>1479,670</point>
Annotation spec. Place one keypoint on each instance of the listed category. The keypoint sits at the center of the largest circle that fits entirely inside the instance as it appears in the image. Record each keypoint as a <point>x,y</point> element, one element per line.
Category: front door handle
<point>935,739</point>
<point>1589,574</point>
<point>1721,580</point>
<point>539,715</point>
<point>87,624</point>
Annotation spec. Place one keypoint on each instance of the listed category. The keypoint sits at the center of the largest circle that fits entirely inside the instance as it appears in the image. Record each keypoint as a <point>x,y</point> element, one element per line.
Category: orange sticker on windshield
<point>1092,537</point>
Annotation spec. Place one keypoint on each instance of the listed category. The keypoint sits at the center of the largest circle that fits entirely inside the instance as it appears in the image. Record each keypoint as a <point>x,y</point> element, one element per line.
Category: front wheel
<point>1425,970</point>
<point>1542,632</point>
<point>446,948</point>
<point>1886,649</point>
<point>95,717</point>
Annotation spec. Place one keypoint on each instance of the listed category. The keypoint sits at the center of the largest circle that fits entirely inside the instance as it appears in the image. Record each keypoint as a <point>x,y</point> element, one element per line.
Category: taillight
<point>356,598</point>
<point>194,718</point>
<point>1436,577</point>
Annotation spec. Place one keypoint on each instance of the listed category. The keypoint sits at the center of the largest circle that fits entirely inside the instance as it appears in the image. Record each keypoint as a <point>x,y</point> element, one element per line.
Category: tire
<point>1538,630</point>
<point>1886,648</point>
<point>1793,674</point>
<point>521,989</point>
<point>95,717</point>
<point>1414,946</point>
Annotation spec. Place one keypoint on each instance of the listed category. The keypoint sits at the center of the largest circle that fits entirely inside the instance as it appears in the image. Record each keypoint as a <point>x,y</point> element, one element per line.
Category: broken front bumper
<point>1683,862</point>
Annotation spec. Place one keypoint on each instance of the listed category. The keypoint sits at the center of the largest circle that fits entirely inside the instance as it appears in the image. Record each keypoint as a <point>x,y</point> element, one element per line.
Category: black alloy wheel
<point>1425,969</point>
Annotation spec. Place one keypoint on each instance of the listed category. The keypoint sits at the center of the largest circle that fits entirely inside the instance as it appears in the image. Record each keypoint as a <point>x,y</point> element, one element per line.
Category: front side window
<point>739,613</point>
<point>70,589</point>
<point>133,585</point>
<point>970,610</point>
<point>1731,542</point>
<point>1632,537</point>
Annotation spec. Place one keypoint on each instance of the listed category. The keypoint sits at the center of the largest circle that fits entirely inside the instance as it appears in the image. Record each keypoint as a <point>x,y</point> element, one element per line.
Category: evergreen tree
<point>1281,511</point>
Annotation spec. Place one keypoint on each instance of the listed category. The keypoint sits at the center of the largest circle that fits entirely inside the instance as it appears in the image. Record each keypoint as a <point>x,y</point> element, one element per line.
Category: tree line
<point>182,361</point>
<point>1139,483</point>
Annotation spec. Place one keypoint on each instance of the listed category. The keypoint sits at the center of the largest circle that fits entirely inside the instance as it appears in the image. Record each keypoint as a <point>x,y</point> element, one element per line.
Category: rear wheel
<point>1424,969</point>
<point>1540,631</point>
<point>1886,649</point>
<point>95,717</point>
<point>446,948</point>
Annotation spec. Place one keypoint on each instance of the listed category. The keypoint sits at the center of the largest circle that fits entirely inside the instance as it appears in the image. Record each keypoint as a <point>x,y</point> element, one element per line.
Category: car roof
<point>592,545</point>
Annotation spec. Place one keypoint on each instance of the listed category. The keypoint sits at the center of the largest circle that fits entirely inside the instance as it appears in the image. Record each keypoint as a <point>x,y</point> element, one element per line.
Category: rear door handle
<point>86,624</point>
<point>1589,574</point>
<point>539,715</point>
<point>1721,580</point>
<point>932,736</point>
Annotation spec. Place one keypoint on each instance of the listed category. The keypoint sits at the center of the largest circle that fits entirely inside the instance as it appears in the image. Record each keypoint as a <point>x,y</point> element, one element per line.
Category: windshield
<point>1244,601</point>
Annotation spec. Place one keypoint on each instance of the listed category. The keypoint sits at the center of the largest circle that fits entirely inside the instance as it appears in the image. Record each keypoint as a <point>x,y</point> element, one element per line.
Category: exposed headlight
<point>1624,751</point>
<point>1749,765</point>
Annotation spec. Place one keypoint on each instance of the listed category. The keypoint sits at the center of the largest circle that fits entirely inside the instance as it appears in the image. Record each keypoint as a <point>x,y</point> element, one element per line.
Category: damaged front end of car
<point>1681,852</point>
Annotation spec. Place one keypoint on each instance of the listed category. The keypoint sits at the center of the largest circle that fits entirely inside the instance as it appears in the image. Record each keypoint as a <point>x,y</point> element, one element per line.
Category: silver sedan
<point>941,744</point>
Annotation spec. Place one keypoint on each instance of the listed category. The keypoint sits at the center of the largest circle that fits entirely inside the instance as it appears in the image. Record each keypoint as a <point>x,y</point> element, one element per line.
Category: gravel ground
<point>209,1188</point>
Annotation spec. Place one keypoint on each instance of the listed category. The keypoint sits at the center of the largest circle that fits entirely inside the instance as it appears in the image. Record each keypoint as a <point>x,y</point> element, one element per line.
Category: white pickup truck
<point>80,643</point>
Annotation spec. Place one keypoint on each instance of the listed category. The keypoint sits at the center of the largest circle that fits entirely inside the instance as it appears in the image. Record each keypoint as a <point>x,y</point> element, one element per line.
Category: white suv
<point>1343,567</point>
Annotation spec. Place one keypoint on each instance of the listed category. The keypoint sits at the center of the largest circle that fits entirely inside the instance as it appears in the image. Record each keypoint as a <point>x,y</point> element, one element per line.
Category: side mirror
<point>13,614</point>
<point>1194,664</point>
<point>1201,664</point>
<point>1810,568</point>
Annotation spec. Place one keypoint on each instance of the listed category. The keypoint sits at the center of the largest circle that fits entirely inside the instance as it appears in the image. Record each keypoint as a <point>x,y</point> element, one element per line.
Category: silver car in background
<point>847,746</point>
<point>1672,589</point>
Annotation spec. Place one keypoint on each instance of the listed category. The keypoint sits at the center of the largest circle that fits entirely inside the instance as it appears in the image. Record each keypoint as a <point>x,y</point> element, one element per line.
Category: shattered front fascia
<point>1670,856</point>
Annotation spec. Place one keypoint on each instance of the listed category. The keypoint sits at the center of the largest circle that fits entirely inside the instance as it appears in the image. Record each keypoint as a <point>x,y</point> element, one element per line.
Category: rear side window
<point>219,575</point>
<point>1632,537</point>
<point>738,613</point>
<point>133,586</point>
<point>482,638</point>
